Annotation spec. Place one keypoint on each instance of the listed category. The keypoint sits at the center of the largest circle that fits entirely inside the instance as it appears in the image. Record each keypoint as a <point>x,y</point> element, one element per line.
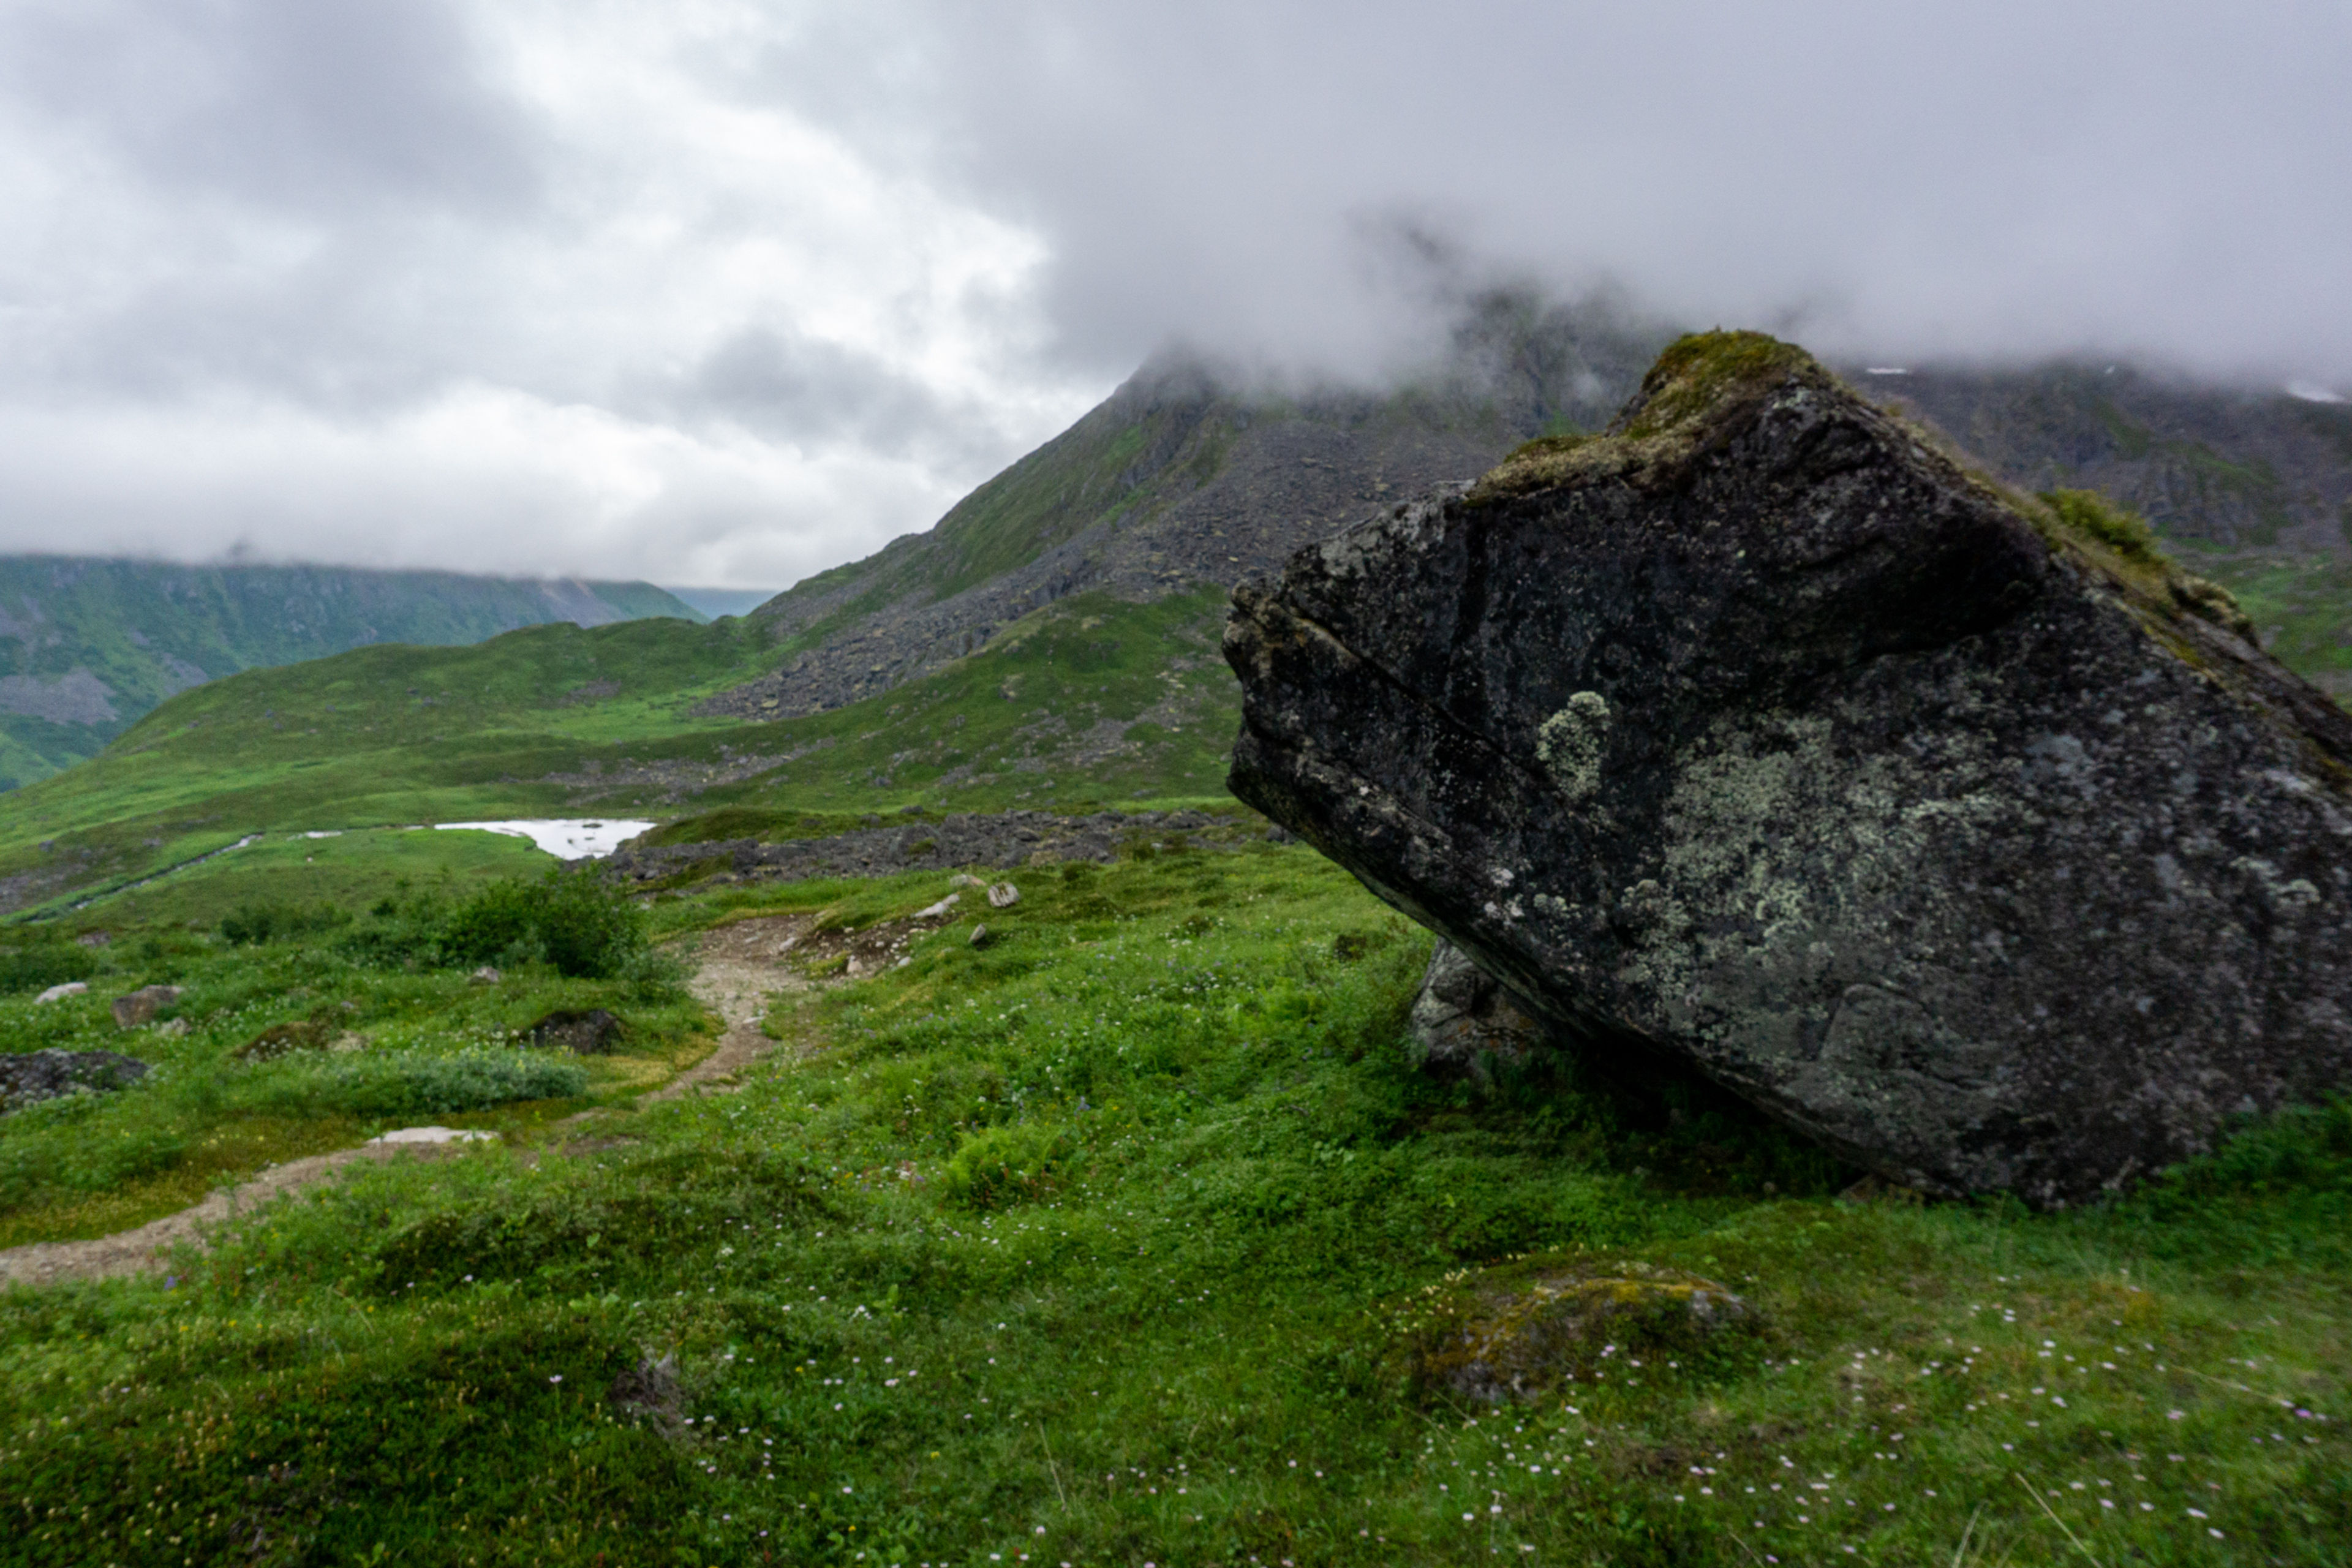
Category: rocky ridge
<point>936,844</point>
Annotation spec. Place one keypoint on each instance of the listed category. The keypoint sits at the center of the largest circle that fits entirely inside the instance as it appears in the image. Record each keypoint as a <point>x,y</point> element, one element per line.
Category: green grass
<point>419,1045</point>
<point>2302,605</point>
<point>386,737</point>
<point>350,870</point>
<point>1124,1238</point>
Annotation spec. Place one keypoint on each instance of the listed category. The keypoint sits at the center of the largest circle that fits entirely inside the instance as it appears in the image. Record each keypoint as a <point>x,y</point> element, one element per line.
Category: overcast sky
<point>725,292</point>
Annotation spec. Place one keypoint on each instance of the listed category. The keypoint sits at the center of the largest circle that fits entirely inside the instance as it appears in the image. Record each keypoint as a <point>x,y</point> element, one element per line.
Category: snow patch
<point>565,838</point>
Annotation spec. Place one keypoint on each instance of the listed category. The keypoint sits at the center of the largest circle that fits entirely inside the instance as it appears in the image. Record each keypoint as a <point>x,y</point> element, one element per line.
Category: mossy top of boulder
<point>1698,384</point>
<point>1705,382</point>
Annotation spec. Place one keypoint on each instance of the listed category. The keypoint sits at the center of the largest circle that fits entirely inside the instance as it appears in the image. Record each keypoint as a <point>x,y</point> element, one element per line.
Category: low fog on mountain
<point>730,293</point>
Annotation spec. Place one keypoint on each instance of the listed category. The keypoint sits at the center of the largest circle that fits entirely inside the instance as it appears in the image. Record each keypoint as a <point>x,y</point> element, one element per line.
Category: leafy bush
<point>40,965</point>
<point>587,927</point>
<point>256,921</point>
<point>430,1085</point>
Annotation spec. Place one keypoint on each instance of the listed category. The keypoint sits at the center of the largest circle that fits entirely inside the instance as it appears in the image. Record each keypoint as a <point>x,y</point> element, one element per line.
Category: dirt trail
<point>740,965</point>
<point>142,1251</point>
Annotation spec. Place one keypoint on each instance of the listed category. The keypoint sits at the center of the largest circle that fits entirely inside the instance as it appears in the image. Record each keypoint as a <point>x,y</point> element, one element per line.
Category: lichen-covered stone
<point>1952,827</point>
<point>136,1009</point>
<point>29,1076</point>
<point>1517,1344</point>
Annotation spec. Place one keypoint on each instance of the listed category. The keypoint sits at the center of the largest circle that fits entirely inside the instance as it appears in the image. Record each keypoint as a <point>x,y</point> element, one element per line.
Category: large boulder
<point>1953,827</point>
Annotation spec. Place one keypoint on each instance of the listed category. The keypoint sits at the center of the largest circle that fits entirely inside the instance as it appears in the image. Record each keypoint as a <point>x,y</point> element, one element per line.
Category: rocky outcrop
<point>1951,827</point>
<point>1005,838</point>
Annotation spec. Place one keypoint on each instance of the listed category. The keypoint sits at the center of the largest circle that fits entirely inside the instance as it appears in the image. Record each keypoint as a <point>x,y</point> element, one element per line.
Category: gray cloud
<point>317,106</point>
<point>792,387</point>
<point>1997,178</point>
<point>733,291</point>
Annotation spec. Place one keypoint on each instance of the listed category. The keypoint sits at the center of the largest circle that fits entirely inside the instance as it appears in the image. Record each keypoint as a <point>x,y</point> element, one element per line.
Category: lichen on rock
<point>1572,743</point>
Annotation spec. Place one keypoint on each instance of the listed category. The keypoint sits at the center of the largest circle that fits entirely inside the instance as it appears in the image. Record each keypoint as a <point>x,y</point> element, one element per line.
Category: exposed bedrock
<point>1954,828</point>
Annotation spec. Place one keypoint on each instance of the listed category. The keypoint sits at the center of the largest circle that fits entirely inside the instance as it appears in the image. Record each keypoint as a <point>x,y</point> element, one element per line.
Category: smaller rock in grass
<point>485,975</point>
<point>1520,1344</point>
<point>60,992</point>
<point>134,1009</point>
<point>980,936</point>
<point>1003,895</point>
<point>282,1039</point>
<point>584,1032</point>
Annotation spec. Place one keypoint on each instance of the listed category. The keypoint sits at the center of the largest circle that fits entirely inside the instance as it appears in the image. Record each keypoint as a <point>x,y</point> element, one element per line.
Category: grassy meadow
<point>1090,702</point>
<point>1134,1235</point>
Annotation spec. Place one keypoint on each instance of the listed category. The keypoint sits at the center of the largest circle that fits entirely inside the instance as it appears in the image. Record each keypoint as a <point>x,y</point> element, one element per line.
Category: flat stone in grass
<point>34,1075</point>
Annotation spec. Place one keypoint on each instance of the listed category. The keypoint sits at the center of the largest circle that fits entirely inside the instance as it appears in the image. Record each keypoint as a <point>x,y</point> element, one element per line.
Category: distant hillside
<point>2222,467</point>
<point>88,646</point>
<point>718,602</point>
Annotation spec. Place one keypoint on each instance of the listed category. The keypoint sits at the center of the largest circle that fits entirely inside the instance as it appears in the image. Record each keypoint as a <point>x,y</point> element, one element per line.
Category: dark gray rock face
<point>1965,836</point>
<point>29,1076</point>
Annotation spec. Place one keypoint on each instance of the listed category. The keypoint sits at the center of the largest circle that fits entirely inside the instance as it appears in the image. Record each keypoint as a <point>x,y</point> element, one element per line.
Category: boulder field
<point>1954,827</point>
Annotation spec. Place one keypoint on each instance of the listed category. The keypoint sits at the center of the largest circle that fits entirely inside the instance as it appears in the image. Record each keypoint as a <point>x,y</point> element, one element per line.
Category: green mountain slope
<point>1090,700</point>
<point>1181,478</point>
<point>87,644</point>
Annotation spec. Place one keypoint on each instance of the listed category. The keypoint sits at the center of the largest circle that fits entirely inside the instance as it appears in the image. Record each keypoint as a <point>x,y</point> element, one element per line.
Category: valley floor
<point>1130,1233</point>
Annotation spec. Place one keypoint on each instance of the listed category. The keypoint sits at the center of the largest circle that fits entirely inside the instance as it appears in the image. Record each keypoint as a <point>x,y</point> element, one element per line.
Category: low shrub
<point>583,925</point>
<point>2093,516</point>
<point>1005,1165</point>
<point>429,1085</point>
<point>256,921</point>
<point>36,965</point>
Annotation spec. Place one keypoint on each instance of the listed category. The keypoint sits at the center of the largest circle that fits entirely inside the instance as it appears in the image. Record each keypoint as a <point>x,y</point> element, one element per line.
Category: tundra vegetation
<point>1134,1235</point>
